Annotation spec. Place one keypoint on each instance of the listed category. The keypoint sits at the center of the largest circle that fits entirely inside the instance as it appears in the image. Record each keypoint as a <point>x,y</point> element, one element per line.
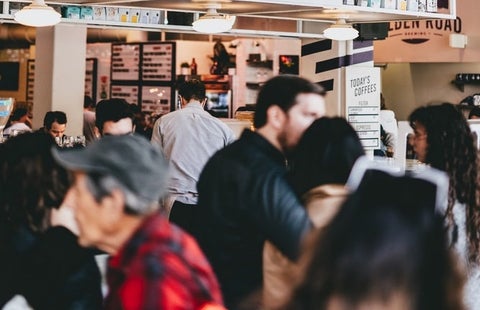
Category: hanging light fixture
<point>213,22</point>
<point>37,14</point>
<point>340,31</point>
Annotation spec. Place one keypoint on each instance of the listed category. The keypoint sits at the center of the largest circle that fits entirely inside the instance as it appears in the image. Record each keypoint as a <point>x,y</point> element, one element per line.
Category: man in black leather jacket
<point>244,198</point>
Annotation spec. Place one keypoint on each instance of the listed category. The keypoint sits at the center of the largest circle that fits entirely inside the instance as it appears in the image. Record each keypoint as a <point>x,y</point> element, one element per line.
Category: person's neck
<point>123,231</point>
<point>271,136</point>
<point>193,101</point>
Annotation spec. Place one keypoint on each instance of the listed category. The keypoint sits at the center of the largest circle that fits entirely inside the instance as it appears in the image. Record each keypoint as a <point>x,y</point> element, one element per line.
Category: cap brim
<point>76,159</point>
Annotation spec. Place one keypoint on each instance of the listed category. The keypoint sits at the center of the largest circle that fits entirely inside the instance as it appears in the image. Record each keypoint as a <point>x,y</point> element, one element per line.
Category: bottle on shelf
<point>193,67</point>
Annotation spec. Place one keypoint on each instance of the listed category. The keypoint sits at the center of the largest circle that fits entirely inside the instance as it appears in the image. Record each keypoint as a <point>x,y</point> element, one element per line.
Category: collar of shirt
<point>266,147</point>
<point>194,104</point>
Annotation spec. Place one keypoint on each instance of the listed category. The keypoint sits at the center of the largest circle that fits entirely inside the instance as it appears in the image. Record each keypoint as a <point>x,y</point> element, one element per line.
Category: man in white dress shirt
<point>189,137</point>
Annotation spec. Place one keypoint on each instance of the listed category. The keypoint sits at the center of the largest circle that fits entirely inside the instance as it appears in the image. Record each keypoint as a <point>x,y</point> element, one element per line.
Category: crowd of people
<point>287,216</point>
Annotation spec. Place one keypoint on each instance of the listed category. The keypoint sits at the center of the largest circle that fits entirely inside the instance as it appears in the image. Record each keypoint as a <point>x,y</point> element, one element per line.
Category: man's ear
<point>276,117</point>
<point>97,132</point>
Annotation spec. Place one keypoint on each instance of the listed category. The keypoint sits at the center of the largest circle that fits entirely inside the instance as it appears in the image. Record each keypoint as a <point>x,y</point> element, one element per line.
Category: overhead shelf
<point>299,10</point>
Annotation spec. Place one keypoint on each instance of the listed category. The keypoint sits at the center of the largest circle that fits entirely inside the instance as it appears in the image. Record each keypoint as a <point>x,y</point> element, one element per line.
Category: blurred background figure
<point>114,117</point>
<point>17,122</point>
<point>55,123</point>
<point>443,140</point>
<point>389,130</point>
<point>89,119</point>
<point>474,113</point>
<point>38,259</point>
<point>385,249</point>
<point>321,165</point>
<point>142,123</point>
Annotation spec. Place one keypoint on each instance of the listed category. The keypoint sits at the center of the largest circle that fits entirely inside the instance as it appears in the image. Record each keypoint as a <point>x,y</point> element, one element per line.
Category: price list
<point>157,62</point>
<point>125,62</point>
<point>129,93</point>
<point>30,79</point>
<point>363,104</point>
<point>156,99</point>
<point>90,76</point>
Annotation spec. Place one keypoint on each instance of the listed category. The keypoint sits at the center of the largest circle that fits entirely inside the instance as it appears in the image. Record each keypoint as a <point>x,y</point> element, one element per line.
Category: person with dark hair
<point>114,117</point>
<point>385,249</point>
<point>55,123</point>
<point>321,164</point>
<point>89,119</point>
<point>39,259</point>
<point>17,122</point>
<point>188,138</point>
<point>443,140</point>
<point>474,113</point>
<point>119,181</point>
<point>244,195</point>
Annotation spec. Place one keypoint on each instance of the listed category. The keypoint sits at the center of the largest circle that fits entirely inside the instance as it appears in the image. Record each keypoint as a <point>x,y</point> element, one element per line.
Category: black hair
<point>192,89</point>
<point>113,110</point>
<point>475,111</point>
<point>31,182</point>
<point>54,116</point>
<point>325,154</point>
<point>88,102</point>
<point>18,113</point>
<point>385,241</point>
<point>451,148</point>
<point>282,91</point>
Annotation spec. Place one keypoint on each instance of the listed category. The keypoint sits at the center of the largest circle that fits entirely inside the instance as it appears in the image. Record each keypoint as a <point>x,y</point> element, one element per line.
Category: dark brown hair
<point>451,148</point>
<point>31,182</point>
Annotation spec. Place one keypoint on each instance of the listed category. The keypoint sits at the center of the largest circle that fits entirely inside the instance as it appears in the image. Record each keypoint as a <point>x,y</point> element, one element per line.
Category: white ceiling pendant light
<point>213,22</point>
<point>37,14</point>
<point>340,31</point>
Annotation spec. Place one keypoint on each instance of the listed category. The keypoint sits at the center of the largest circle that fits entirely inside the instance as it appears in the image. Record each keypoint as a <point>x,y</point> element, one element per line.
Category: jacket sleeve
<point>279,213</point>
<point>73,276</point>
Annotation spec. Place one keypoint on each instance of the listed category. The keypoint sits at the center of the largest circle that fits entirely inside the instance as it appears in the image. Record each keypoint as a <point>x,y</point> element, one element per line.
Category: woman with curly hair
<point>40,260</point>
<point>443,140</point>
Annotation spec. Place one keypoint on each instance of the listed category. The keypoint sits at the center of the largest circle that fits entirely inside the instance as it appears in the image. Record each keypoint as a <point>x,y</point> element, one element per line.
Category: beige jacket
<point>279,273</point>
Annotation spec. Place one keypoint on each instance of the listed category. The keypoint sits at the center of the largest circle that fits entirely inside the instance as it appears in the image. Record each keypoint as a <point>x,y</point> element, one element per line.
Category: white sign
<point>363,103</point>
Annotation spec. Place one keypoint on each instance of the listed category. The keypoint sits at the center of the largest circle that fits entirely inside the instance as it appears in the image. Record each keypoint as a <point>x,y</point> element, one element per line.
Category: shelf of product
<point>461,79</point>
<point>145,17</point>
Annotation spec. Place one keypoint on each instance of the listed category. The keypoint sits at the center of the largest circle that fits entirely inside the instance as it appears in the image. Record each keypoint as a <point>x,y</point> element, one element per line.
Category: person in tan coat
<point>321,165</point>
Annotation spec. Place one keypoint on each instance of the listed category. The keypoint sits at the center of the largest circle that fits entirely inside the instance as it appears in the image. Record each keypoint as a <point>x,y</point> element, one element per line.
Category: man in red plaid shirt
<point>155,265</point>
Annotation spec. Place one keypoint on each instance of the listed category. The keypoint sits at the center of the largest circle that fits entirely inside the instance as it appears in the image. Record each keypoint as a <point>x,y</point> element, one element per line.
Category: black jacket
<point>50,270</point>
<point>244,199</point>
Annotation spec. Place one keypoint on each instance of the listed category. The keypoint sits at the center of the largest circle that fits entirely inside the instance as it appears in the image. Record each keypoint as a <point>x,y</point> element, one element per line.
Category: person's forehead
<point>309,101</point>
<point>58,125</point>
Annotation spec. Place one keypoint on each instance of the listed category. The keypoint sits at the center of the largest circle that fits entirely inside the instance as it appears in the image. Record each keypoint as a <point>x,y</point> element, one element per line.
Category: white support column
<point>60,74</point>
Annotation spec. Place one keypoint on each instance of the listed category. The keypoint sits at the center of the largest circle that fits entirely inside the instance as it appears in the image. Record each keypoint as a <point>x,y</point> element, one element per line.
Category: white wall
<point>407,86</point>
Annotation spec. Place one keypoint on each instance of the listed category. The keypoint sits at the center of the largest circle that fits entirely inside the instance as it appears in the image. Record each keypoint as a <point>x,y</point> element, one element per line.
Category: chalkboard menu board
<point>144,74</point>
